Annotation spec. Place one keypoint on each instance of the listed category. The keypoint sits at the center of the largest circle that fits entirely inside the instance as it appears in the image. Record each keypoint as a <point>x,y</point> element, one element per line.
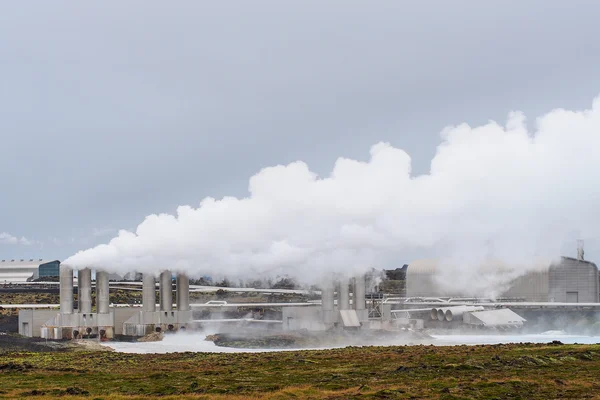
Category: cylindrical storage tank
<point>66,290</point>
<point>434,314</point>
<point>358,297</point>
<point>102,293</point>
<point>148,293</point>
<point>84,282</point>
<point>327,300</point>
<point>166,291</point>
<point>343,295</point>
<point>183,292</point>
<point>456,312</point>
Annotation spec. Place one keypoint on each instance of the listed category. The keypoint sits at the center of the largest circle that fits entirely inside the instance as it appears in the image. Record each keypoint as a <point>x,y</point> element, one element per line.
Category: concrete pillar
<point>84,282</point>
<point>183,292</point>
<point>102,293</point>
<point>359,293</point>
<point>343,295</point>
<point>149,293</point>
<point>166,291</point>
<point>66,290</point>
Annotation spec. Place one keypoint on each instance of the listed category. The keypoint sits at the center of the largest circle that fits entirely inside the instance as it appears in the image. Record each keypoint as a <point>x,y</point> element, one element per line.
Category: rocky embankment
<point>18,343</point>
<point>306,339</point>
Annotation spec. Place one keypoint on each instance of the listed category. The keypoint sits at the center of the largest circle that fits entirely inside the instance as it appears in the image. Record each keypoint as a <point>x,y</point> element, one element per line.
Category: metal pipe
<point>358,297</point>
<point>183,292</point>
<point>66,290</point>
<point>102,293</point>
<point>327,300</point>
<point>84,290</point>
<point>434,314</point>
<point>166,291</point>
<point>456,312</point>
<point>148,293</point>
<point>343,295</point>
<point>441,314</point>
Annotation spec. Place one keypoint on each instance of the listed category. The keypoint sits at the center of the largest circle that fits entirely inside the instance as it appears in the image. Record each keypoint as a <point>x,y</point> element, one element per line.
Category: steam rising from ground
<point>182,342</point>
<point>493,192</point>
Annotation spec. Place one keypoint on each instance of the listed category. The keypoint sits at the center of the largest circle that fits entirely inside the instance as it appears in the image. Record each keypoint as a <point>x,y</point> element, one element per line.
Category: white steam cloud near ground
<point>493,193</point>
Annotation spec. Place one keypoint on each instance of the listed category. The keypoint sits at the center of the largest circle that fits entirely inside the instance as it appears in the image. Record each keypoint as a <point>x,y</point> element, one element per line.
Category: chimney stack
<point>580,252</point>
<point>84,290</point>
<point>327,297</point>
<point>102,293</point>
<point>358,301</point>
<point>149,293</point>
<point>343,295</point>
<point>166,291</point>
<point>66,290</point>
<point>183,292</point>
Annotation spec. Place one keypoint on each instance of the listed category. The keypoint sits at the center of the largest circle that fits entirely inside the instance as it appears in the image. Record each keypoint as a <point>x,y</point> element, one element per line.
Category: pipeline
<point>434,314</point>
<point>455,312</point>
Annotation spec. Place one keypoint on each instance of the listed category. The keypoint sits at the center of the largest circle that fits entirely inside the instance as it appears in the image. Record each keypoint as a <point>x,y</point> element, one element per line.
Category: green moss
<point>461,372</point>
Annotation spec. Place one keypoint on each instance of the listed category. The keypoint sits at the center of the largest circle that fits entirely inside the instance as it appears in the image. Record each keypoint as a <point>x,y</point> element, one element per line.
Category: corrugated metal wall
<point>573,281</point>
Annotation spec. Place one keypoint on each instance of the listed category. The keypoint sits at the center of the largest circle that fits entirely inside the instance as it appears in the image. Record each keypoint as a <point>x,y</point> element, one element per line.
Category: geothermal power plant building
<point>104,321</point>
<point>343,312</point>
<point>165,318</point>
<point>343,303</point>
<point>570,280</point>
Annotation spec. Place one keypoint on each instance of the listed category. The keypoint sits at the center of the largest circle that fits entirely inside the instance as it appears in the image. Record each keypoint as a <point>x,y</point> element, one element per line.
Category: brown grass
<point>525,371</point>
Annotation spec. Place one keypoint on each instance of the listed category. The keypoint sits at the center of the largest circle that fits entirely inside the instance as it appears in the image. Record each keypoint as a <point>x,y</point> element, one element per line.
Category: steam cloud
<point>493,192</point>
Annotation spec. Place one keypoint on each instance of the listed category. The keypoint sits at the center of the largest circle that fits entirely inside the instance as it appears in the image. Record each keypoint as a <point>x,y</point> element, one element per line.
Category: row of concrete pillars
<point>102,292</point>
<point>342,287</point>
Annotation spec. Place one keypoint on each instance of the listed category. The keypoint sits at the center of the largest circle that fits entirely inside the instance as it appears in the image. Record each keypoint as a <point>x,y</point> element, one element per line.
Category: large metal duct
<point>456,312</point>
<point>183,292</point>
<point>66,290</point>
<point>148,293</point>
<point>102,293</point>
<point>358,300</point>
<point>434,313</point>
<point>327,297</point>
<point>84,290</point>
<point>166,291</point>
<point>343,295</point>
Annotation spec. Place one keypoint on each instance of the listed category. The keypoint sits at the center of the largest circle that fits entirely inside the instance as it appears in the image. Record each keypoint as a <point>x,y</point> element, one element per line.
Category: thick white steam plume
<point>493,192</point>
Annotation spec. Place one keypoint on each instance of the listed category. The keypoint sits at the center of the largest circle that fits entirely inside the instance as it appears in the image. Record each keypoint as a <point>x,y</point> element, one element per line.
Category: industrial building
<point>19,271</point>
<point>568,285</point>
<point>101,320</point>
<point>343,313</point>
<point>569,280</point>
<point>50,269</point>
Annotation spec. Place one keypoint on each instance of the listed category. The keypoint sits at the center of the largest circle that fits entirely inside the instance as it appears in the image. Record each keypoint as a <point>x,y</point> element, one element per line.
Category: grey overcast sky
<point>113,110</point>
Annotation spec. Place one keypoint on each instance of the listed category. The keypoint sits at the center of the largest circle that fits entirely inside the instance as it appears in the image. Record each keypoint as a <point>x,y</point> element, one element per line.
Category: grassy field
<point>419,372</point>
